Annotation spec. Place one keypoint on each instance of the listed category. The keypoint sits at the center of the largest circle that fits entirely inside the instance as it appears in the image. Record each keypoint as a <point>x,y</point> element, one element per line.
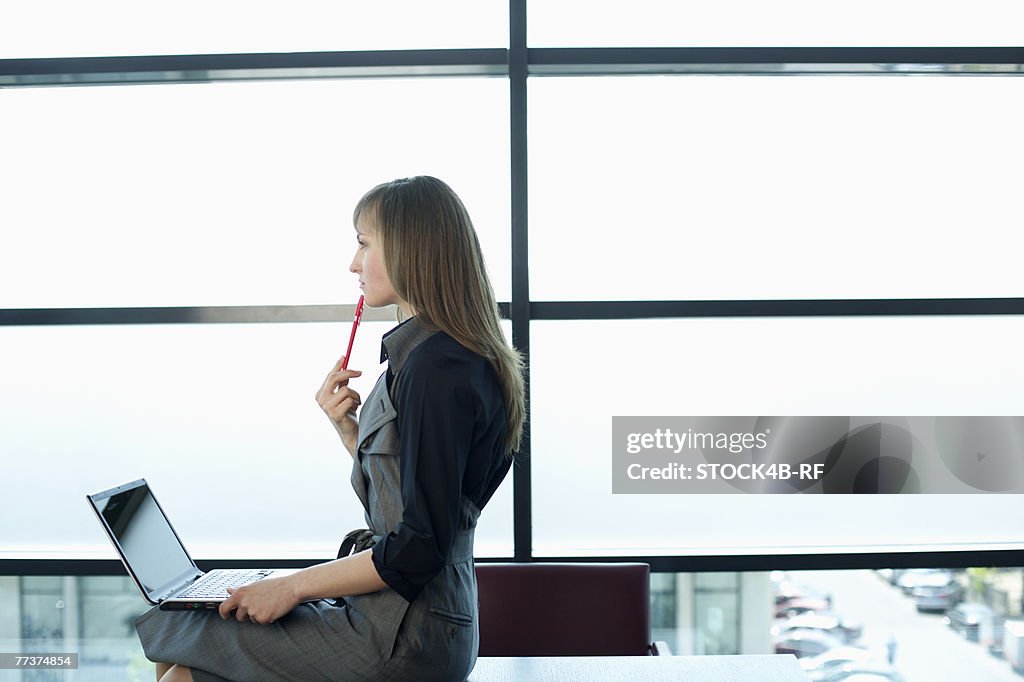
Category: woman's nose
<point>354,265</point>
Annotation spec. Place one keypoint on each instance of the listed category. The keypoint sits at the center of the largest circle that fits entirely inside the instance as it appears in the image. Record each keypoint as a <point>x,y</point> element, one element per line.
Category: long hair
<point>434,261</point>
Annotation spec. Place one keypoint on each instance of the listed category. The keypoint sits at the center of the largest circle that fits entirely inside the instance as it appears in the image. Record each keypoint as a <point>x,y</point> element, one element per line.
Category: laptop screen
<point>147,541</point>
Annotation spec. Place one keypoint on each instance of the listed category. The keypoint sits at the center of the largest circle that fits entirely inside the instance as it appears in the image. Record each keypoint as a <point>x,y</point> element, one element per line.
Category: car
<point>856,675</point>
<point>863,671</point>
<point>977,623</point>
<point>909,578</point>
<point>786,590</point>
<point>821,666</point>
<point>936,592</point>
<point>800,605</point>
<point>830,623</point>
<point>802,643</point>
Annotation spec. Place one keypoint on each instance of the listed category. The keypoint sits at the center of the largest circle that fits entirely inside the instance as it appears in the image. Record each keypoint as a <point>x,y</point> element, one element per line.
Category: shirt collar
<point>400,341</point>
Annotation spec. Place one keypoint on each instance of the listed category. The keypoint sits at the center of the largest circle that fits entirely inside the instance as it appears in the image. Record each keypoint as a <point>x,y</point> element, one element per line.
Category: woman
<point>432,443</point>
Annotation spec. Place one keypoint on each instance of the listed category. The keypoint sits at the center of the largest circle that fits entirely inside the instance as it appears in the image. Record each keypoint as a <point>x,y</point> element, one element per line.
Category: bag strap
<point>356,541</point>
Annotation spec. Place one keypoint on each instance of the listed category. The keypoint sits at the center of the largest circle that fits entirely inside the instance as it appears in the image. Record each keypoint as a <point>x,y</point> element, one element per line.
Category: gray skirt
<point>316,641</point>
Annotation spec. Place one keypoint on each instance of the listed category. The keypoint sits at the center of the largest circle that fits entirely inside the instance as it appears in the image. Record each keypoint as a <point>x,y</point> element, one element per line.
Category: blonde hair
<point>434,261</point>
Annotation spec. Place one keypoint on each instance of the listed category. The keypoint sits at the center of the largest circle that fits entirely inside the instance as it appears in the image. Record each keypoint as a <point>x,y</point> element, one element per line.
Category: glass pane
<point>65,28</point>
<point>790,23</point>
<point>230,193</point>
<point>949,627</point>
<point>92,616</point>
<point>839,623</point>
<point>220,419</point>
<point>870,621</point>
<point>583,373</point>
<point>716,599</point>
<point>763,187</point>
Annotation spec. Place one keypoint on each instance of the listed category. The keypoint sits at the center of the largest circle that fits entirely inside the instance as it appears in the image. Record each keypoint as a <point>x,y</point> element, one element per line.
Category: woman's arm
<point>350,575</point>
<point>267,600</point>
<point>339,403</point>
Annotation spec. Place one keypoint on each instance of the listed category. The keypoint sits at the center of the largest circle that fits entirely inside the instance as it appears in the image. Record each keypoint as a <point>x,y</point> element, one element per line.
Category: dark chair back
<point>544,609</point>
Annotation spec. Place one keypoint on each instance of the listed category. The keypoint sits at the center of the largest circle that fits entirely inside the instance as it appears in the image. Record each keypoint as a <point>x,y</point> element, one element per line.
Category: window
<point>215,194</point>
<point>773,187</point>
<point>585,372</point>
<point>65,28</point>
<point>220,419</point>
<point>734,23</point>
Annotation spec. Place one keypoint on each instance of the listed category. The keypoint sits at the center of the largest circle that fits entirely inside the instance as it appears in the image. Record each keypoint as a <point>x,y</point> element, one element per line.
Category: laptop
<point>155,556</point>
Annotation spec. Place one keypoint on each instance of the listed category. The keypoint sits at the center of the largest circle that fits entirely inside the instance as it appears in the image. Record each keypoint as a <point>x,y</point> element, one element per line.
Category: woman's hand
<point>339,403</point>
<point>263,601</point>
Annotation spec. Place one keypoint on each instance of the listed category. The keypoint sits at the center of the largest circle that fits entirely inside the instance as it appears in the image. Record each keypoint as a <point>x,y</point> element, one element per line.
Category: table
<point>777,668</point>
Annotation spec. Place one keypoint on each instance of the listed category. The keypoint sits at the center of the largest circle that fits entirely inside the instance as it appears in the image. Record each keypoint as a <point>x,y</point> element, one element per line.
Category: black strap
<point>356,541</point>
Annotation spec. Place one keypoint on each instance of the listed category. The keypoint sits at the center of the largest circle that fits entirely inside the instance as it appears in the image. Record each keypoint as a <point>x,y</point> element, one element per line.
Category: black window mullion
<point>520,305</point>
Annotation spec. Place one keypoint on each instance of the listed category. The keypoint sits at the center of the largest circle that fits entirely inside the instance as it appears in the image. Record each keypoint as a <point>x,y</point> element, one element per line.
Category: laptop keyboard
<point>215,584</point>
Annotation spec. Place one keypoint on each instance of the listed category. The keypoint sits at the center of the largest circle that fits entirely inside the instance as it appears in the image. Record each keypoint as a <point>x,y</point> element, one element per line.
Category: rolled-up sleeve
<point>436,409</point>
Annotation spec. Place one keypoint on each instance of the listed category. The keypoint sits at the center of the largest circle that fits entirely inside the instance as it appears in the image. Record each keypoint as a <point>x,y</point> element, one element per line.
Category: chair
<point>548,609</point>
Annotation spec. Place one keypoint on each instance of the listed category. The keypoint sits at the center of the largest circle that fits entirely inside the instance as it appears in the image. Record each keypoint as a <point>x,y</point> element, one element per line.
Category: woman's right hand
<point>339,403</point>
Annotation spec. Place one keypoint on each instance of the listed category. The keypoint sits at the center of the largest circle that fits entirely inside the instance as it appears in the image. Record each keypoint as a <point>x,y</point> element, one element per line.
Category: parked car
<point>880,673</point>
<point>977,623</point>
<point>786,590</point>
<point>800,605</point>
<point>802,643</point>
<point>821,666</point>
<point>966,619</point>
<point>936,592</point>
<point>844,629</point>
<point>909,578</point>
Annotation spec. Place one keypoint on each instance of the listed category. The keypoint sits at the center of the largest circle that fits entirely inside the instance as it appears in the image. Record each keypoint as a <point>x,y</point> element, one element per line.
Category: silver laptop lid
<point>149,547</point>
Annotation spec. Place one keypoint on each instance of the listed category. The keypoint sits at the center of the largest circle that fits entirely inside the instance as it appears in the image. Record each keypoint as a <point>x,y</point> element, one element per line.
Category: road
<point>927,650</point>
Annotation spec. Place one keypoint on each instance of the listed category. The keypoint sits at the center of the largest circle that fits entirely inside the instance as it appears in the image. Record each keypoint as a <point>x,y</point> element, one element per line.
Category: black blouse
<point>451,426</point>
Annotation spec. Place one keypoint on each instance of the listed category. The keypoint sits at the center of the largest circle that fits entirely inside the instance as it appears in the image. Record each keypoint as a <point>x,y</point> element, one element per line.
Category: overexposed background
<point>640,188</point>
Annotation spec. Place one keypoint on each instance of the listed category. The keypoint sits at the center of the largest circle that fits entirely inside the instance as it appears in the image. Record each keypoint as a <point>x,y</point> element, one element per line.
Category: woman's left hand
<point>263,601</point>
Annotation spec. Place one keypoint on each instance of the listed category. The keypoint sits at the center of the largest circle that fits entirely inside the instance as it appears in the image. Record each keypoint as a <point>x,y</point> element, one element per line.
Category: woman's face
<point>368,264</point>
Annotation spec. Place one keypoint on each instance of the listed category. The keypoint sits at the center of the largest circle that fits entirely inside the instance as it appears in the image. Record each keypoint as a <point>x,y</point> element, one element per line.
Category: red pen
<point>352,335</point>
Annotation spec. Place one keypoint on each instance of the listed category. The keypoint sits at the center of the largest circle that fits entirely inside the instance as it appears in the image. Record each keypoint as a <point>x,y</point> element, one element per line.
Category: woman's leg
<point>161,669</point>
<point>177,673</point>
